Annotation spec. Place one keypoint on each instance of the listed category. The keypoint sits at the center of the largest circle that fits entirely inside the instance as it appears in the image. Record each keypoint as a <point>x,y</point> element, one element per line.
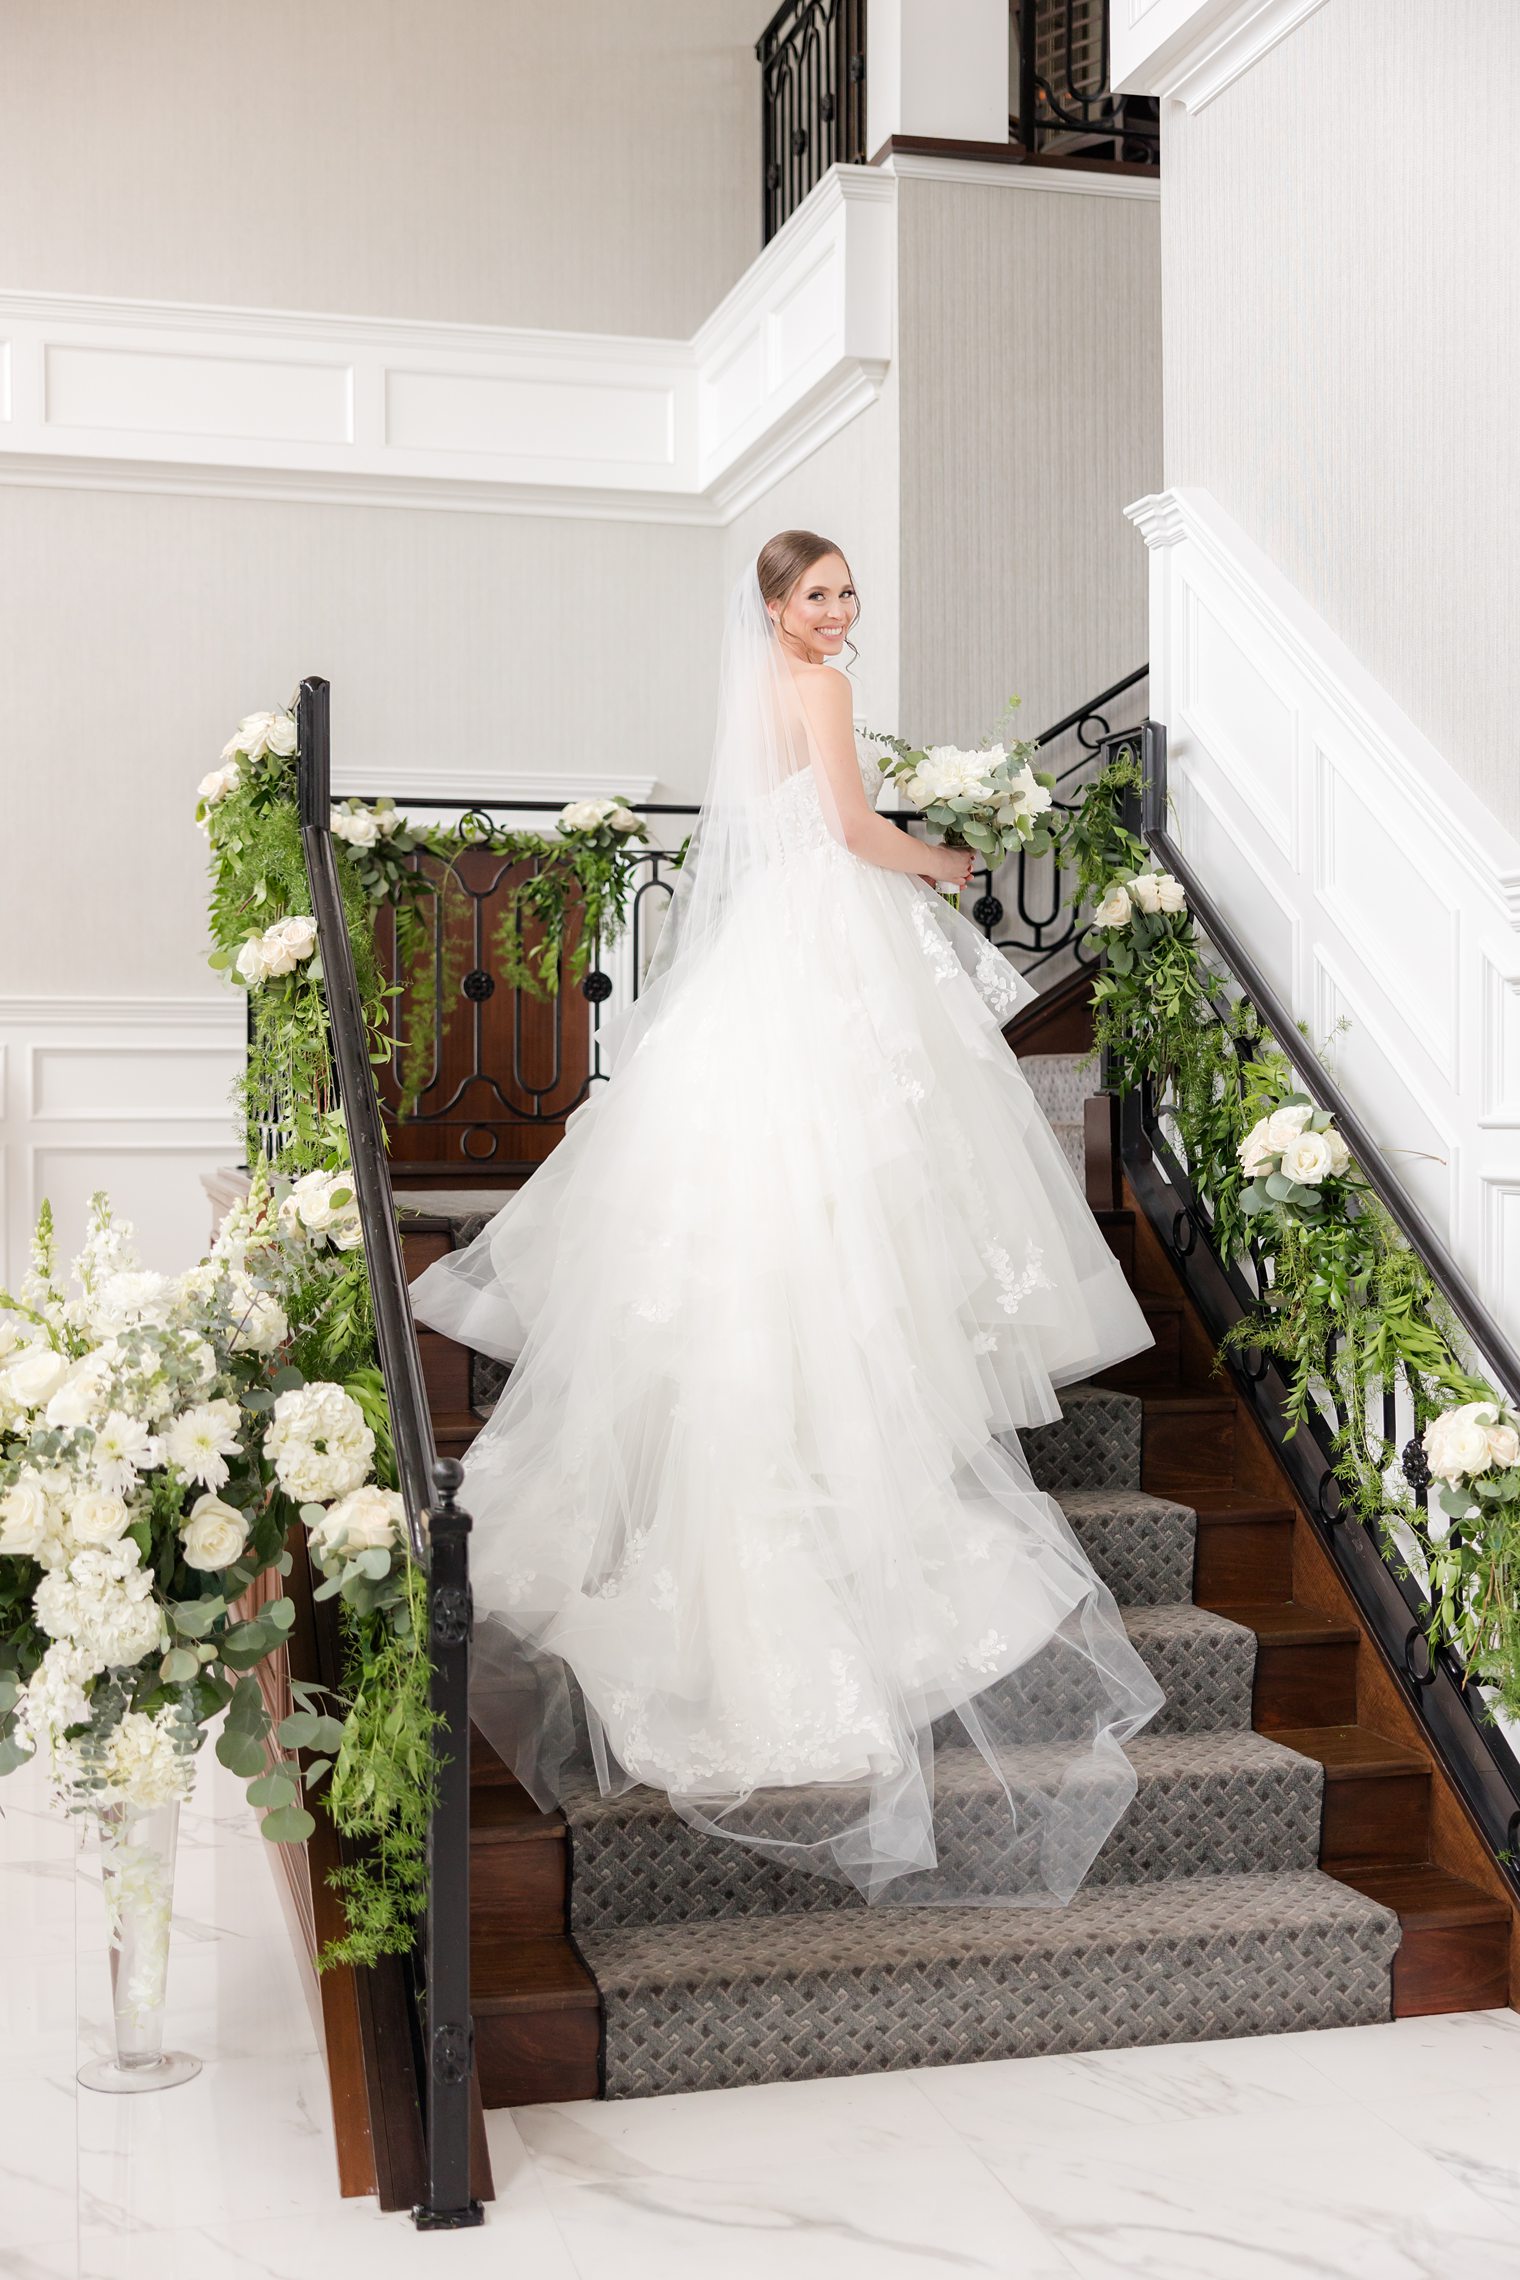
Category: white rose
<point>258,1321</point>
<point>220,784</point>
<point>33,1377</point>
<point>252,962</point>
<point>358,826</point>
<point>214,1533</point>
<point>25,1518</point>
<point>1503,1446</point>
<point>1169,894</point>
<point>1114,909</point>
<point>85,1394</point>
<point>580,815</point>
<point>97,1518</point>
<point>1256,1151</point>
<point>624,819</point>
<point>366,1518</point>
<point>260,733</point>
<point>1456,1443</point>
<point>287,942</point>
<point>1145,892</point>
<point>1306,1160</point>
<point>1340,1154</point>
<point>1285,1124</point>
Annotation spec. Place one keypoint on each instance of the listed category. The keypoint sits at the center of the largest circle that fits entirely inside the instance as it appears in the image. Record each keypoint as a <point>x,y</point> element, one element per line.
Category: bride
<point>752,1524</point>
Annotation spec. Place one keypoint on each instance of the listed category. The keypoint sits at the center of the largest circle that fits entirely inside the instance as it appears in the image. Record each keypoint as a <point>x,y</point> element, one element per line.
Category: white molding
<point>122,1013</point>
<point>996,174</point>
<point>465,786</point>
<point>1191,50</point>
<point>336,410</point>
<point>1357,868</point>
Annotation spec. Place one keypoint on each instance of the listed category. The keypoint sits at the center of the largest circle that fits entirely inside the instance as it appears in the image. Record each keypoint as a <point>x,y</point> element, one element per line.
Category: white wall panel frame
<point>1401,892</point>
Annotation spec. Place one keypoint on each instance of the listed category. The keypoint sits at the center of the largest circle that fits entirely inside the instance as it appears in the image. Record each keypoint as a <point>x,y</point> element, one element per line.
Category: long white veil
<point>761,739</point>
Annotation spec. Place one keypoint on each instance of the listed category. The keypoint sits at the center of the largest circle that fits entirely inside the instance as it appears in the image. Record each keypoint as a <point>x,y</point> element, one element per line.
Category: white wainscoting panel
<point>277,403</point>
<point>129,1095</point>
<point>1361,873</point>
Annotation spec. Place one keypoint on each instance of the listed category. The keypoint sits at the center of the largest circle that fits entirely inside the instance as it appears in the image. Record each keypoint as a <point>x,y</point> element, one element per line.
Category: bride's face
<point>819,611</point>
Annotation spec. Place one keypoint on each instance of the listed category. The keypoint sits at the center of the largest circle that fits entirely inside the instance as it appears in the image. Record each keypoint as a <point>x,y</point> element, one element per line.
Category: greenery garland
<point>1347,1307</point>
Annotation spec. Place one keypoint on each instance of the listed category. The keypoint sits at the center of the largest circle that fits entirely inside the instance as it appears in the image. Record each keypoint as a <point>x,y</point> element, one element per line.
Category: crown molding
<point>1191,50</point>
<point>462,787</point>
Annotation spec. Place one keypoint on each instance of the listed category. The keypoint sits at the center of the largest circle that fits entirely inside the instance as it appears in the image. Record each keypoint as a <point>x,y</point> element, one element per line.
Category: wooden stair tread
<point>510,1975</point>
<point>1288,1623</point>
<point>1352,1752</point>
<point>1424,1897</point>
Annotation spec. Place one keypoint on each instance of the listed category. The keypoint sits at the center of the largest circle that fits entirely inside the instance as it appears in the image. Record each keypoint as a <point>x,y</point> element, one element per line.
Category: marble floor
<point>1374,2153</point>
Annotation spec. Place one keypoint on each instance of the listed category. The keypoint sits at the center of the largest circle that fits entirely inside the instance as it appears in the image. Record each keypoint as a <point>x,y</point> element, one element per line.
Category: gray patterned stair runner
<point>1203,1915</point>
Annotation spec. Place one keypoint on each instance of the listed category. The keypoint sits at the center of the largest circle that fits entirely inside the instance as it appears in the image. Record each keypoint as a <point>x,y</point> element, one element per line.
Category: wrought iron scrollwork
<point>1067,109</point>
<point>812,58</point>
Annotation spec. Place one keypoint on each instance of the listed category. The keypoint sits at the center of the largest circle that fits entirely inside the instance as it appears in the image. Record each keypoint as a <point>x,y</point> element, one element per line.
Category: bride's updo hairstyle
<point>784,561</point>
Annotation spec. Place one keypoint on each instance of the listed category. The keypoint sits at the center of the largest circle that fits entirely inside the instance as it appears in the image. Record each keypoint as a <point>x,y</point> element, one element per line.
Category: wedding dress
<point>751,1521</point>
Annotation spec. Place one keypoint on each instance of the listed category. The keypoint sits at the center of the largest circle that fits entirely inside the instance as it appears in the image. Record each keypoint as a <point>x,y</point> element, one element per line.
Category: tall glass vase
<point>137,1855</point>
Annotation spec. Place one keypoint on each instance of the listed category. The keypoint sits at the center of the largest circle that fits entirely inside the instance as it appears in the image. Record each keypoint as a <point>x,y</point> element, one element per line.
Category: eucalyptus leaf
<point>275,1788</point>
<point>288,1825</point>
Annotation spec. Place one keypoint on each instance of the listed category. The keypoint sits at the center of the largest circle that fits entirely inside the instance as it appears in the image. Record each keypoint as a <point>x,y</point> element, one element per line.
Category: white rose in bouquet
<point>220,784</point>
<point>199,1442</point>
<point>1456,1443</point>
<point>1031,797</point>
<point>260,734</point>
<point>26,1516</point>
<point>584,815</point>
<point>359,826</point>
<point>33,1376</point>
<point>1340,1154</point>
<point>1169,894</point>
<point>366,1519</point>
<point>258,1320</point>
<point>311,1206</point>
<point>1114,909</point>
<point>251,961</point>
<point>1307,1159</point>
<point>1285,1124</point>
<point>1256,1151</point>
<point>214,1533</point>
<point>1145,892</point>
<point>96,1518</point>
<point>623,819</point>
<point>1503,1446</point>
<point>319,1443</point>
<point>287,942</point>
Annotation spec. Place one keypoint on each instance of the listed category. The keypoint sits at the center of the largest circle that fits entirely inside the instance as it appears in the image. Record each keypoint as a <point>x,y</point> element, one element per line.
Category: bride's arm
<point>826,701</point>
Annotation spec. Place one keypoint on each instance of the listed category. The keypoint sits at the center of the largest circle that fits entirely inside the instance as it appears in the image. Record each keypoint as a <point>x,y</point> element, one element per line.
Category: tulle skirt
<point>751,1520</point>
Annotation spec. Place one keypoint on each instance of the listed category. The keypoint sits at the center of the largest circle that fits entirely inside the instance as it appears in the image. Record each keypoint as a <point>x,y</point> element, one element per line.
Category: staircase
<point>1291,1859</point>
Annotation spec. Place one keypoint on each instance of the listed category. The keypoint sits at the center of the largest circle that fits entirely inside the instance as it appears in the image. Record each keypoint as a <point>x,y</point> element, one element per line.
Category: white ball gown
<point>751,1523</point>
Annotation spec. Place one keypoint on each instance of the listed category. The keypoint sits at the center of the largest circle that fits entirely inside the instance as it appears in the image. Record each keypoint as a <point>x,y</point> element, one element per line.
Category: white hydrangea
<point>366,1519</point>
<point>86,1393</point>
<point>319,1443</point>
<point>144,1762</point>
<point>199,1442</point>
<point>55,1697</point>
<point>127,1298</point>
<point>102,1601</point>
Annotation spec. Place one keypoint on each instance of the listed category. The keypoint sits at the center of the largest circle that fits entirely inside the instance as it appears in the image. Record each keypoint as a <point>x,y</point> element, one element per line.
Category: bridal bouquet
<point>992,801</point>
<point>156,1446</point>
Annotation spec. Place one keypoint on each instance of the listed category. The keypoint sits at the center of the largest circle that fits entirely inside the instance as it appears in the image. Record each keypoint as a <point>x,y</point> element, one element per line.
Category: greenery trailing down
<point>1347,1308</point>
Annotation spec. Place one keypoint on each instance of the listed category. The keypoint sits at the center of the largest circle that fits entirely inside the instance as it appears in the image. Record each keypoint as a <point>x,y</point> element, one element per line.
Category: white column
<point>937,67</point>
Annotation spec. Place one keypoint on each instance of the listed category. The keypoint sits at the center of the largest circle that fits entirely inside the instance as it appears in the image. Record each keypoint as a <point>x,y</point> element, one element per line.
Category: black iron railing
<point>437,1531</point>
<point>485,1082</point>
<point>812,57</point>
<point>1391,1597</point>
<point>1065,106</point>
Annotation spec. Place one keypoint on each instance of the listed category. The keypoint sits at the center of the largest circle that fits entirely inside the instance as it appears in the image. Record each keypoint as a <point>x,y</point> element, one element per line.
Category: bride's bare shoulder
<point>824,691</point>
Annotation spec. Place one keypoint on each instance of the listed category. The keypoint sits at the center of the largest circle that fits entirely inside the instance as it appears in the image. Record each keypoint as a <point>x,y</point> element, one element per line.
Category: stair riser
<point>517,1890</point>
<point>527,2058</point>
<point>1158,1369</point>
<point>1461,1968</point>
<point>1186,1450</point>
<point>794,2030</point>
<point>1366,1822</point>
<point>1240,1561</point>
<point>643,1869</point>
<point>445,1371</point>
<point>1305,1686</point>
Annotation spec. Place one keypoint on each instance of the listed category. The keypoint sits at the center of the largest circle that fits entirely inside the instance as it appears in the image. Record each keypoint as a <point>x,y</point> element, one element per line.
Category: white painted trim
<point>926,166</point>
<point>1271,603</point>
<point>313,407</point>
<point>1191,50</point>
<point>356,779</point>
<point>1358,869</point>
<point>111,1013</point>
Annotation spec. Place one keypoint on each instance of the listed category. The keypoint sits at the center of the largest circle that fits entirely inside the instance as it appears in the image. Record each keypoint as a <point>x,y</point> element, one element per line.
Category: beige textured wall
<point>1342,341</point>
<point>134,631</point>
<point>848,491</point>
<point>1031,415</point>
<point>590,165</point>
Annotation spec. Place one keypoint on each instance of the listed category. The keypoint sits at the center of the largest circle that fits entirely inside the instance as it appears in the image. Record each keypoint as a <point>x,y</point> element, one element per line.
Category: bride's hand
<point>952,866</point>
